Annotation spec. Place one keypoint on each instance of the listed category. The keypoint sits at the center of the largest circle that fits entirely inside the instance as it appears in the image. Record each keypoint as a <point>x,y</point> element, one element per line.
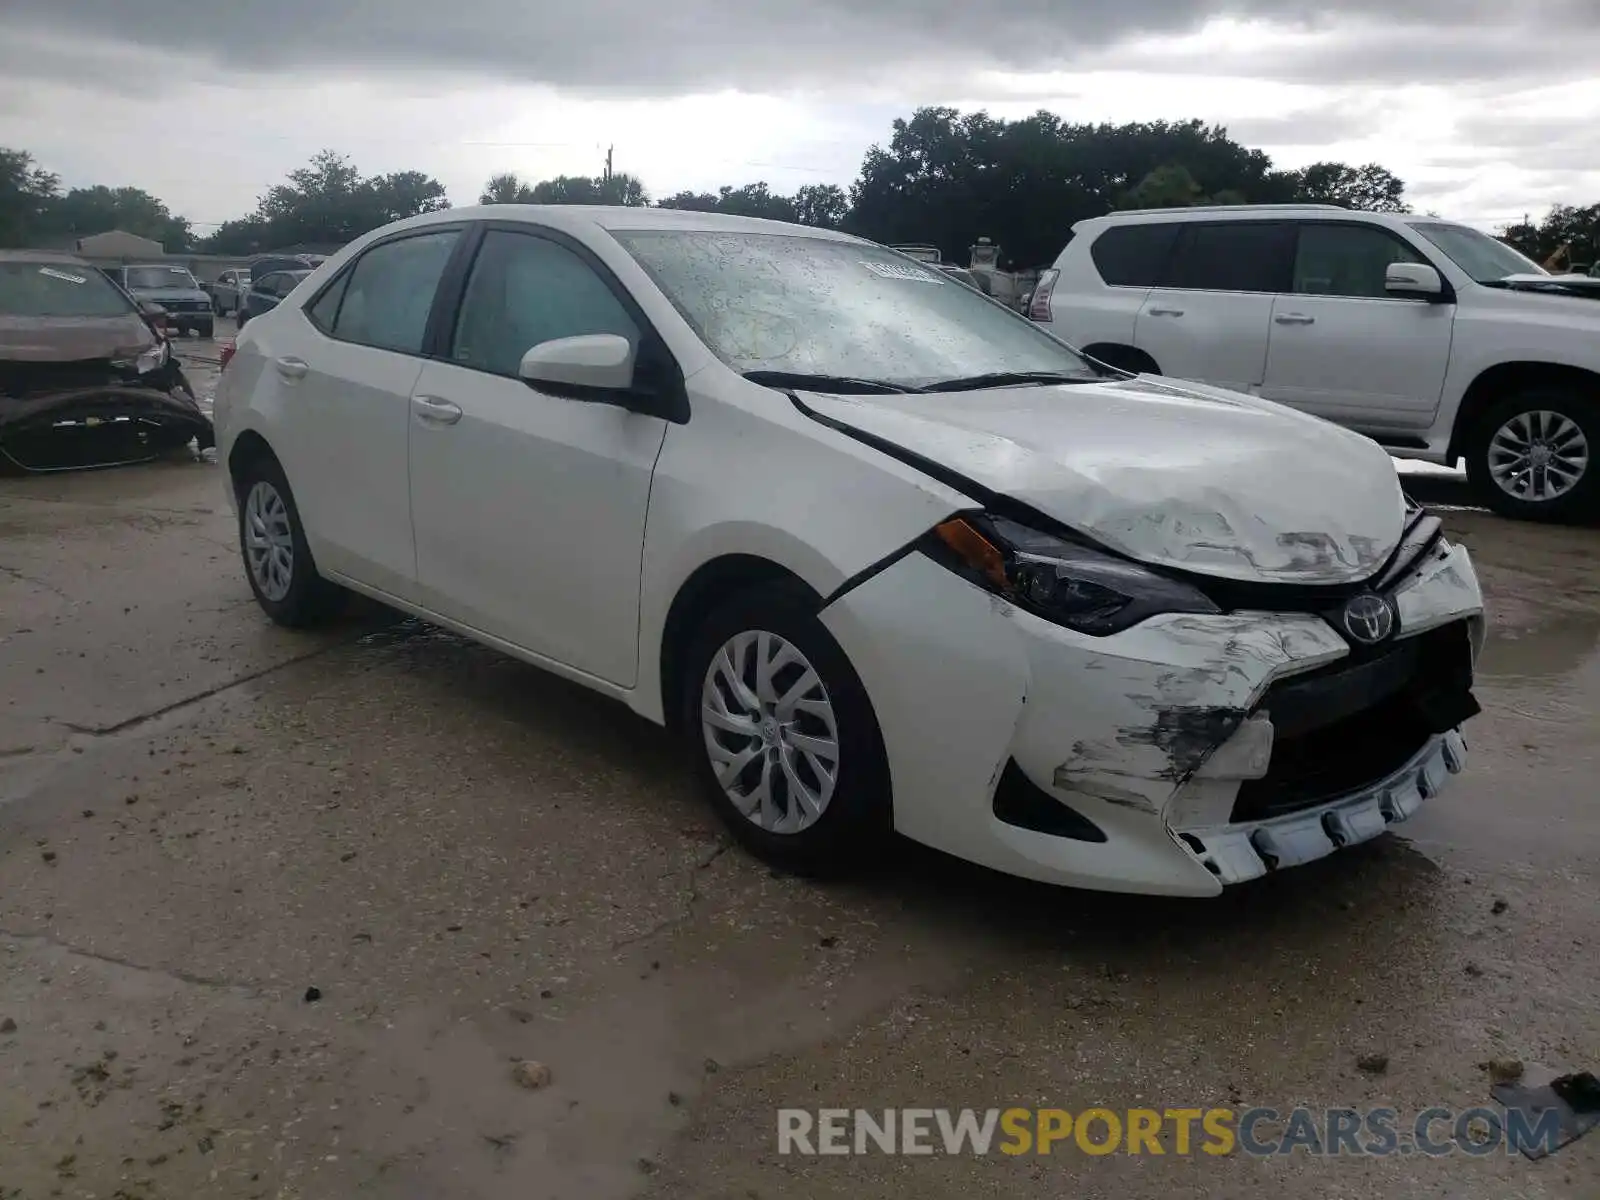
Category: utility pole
<point>609,149</point>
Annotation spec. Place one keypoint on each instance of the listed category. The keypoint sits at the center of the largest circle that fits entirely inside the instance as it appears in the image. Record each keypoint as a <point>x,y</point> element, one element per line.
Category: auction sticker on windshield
<point>896,271</point>
<point>55,274</point>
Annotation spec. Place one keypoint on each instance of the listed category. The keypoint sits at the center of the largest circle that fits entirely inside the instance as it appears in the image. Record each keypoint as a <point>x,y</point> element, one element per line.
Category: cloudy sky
<point>1487,108</point>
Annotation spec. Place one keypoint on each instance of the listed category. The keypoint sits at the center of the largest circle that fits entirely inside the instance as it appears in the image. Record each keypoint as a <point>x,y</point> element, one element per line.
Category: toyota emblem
<point>1369,619</point>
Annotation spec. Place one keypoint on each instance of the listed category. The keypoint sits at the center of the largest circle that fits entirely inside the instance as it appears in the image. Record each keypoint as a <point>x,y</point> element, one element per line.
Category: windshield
<point>808,305</point>
<point>34,289</point>
<point>160,277</point>
<point>1484,258</point>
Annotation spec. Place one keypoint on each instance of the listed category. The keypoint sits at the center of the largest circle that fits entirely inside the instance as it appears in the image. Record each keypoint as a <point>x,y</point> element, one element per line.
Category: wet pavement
<point>280,913</point>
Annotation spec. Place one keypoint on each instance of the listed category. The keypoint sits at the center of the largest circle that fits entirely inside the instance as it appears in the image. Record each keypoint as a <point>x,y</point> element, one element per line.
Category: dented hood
<point>1186,476</point>
<point>72,339</point>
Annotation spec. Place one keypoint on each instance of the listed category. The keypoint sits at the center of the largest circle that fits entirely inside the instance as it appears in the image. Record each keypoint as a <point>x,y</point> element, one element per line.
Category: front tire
<point>1531,456</point>
<point>206,329</point>
<point>277,559</point>
<point>784,736</point>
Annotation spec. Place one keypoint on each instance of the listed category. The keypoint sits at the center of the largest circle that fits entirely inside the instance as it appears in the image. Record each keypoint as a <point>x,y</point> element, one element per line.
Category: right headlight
<point>1063,581</point>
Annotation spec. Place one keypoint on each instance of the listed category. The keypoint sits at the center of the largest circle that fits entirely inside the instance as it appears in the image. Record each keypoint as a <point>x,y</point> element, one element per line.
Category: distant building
<point>117,243</point>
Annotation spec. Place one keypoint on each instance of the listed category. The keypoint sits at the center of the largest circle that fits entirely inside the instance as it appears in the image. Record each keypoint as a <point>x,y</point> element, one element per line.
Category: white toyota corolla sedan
<point>889,555</point>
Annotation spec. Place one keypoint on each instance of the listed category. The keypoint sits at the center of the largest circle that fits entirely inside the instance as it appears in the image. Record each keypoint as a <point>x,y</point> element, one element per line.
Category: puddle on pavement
<point>1563,647</point>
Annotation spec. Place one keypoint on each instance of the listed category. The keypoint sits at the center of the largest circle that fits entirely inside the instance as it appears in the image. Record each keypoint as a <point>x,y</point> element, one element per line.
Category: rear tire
<point>1539,439</point>
<point>1125,358</point>
<point>776,732</point>
<point>272,542</point>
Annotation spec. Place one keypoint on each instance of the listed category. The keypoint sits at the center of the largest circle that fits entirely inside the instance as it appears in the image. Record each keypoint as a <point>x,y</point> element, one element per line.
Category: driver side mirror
<point>1413,281</point>
<point>586,368</point>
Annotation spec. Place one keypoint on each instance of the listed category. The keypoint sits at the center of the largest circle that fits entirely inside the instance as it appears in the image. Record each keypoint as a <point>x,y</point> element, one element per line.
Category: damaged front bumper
<point>1150,760</point>
<point>101,424</point>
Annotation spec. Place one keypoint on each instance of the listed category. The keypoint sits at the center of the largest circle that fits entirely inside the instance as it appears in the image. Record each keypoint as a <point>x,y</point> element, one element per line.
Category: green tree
<point>83,212</point>
<point>506,189</point>
<point>328,201</point>
<point>1571,228</point>
<point>27,191</point>
<point>619,189</point>
<point>750,200</point>
<point>1372,188</point>
<point>822,204</point>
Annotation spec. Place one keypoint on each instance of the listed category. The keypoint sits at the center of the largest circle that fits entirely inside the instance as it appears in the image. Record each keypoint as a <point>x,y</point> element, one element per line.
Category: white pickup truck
<point>1436,340</point>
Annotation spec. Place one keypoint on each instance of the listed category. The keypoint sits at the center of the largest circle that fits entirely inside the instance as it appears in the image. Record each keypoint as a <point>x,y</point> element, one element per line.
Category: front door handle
<point>1165,312</point>
<point>1294,319</point>
<point>292,368</point>
<point>435,411</point>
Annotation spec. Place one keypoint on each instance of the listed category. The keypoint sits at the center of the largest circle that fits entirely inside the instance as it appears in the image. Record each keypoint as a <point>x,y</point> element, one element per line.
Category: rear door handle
<point>292,368</point>
<point>435,411</point>
<point>1294,319</point>
<point>1165,312</point>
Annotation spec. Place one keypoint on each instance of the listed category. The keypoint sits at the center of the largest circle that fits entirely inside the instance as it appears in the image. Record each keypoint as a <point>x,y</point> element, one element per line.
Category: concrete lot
<point>202,817</point>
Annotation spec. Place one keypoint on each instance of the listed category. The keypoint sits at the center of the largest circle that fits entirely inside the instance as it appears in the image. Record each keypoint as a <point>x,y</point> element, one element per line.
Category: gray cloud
<point>651,47</point>
<point>1306,127</point>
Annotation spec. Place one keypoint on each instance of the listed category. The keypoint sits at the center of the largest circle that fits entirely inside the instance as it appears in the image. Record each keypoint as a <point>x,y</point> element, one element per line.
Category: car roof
<point>583,218</point>
<point>44,256</point>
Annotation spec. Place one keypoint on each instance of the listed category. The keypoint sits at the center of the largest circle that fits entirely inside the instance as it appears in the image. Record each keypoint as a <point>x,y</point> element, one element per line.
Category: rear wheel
<point>277,560</point>
<point>1531,456</point>
<point>1124,358</point>
<point>783,734</point>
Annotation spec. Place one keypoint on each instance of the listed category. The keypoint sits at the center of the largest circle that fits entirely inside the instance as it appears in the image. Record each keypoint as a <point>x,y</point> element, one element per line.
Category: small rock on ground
<point>531,1075</point>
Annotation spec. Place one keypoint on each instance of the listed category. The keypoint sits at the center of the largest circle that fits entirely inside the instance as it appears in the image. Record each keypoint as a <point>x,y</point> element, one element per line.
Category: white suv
<point>1436,340</point>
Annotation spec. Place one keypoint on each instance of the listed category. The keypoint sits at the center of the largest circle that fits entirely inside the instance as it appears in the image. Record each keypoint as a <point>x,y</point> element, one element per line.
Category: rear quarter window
<point>1134,255</point>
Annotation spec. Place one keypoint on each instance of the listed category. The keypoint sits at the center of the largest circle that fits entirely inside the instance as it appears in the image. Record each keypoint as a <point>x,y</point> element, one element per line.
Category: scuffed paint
<point>1443,589</point>
<point>1207,481</point>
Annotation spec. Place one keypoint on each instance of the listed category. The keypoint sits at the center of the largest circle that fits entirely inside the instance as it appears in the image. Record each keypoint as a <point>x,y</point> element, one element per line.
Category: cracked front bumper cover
<point>98,426</point>
<point>1248,850</point>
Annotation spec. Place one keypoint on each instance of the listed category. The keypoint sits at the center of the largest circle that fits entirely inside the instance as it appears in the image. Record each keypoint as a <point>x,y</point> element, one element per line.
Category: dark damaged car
<point>86,377</point>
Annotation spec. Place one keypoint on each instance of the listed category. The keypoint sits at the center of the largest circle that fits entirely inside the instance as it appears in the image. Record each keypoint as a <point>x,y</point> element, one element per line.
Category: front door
<point>529,508</point>
<point>1342,348</point>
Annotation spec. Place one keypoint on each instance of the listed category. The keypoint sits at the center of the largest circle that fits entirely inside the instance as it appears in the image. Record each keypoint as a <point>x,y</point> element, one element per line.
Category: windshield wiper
<point>838,384</point>
<point>999,379</point>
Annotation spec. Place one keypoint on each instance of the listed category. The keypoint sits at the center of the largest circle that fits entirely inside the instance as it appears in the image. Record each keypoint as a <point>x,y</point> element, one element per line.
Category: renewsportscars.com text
<point>1259,1132</point>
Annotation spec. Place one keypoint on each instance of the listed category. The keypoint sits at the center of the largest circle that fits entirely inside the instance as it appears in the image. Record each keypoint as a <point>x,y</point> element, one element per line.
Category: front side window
<point>780,302</point>
<point>1235,256</point>
<point>390,293</point>
<point>42,289</point>
<point>524,290</point>
<point>149,278</point>
<point>1347,260</point>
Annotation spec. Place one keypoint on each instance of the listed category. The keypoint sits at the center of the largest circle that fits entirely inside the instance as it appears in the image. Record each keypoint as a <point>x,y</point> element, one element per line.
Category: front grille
<point>1349,725</point>
<point>1422,533</point>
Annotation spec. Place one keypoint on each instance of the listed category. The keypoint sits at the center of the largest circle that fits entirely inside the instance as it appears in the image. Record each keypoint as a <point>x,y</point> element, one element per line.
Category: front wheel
<point>784,735</point>
<point>1530,456</point>
<point>206,329</point>
<point>277,560</point>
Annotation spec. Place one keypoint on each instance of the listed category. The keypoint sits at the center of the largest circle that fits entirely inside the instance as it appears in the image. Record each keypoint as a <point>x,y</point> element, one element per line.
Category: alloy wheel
<point>268,540</point>
<point>770,732</point>
<point>1538,455</point>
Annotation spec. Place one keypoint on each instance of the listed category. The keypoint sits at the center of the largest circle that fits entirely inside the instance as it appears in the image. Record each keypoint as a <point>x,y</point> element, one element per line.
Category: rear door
<point>1343,348</point>
<point>1210,319</point>
<point>344,369</point>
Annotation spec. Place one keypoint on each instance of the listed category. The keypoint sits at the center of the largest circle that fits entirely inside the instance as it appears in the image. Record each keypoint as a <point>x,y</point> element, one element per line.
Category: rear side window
<point>1235,256</point>
<point>1134,255</point>
<point>525,290</point>
<point>390,292</point>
